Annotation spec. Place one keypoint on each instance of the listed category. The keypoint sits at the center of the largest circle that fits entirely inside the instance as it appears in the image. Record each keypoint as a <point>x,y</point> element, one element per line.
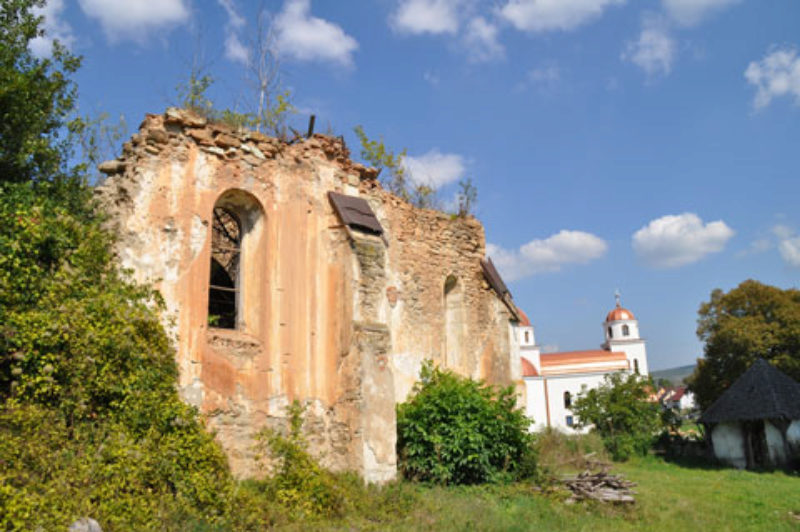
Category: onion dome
<point>618,313</point>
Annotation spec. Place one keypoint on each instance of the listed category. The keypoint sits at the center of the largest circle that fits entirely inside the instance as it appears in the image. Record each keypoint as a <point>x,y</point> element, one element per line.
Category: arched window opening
<point>626,331</point>
<point>567,400</point>
<point>527,337</point>
<point>610,333</point>
<point>453,321</point>
<point>223,286</point>
<point>636,366</point>
<point>236,287</point>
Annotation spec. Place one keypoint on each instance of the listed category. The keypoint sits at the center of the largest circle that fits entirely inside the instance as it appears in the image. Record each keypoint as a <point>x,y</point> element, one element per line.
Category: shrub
<point>455,430</point>
<point>298,482</point>
<point>52,473</point>
<point>620,412</point>
<point>90,419</point>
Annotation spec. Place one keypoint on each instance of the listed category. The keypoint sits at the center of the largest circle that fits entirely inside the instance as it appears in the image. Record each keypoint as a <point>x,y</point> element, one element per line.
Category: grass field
<point>669,497</point>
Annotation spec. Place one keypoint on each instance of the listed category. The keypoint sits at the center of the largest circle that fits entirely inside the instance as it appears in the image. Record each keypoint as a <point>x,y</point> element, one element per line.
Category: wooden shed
<point>755,424</point>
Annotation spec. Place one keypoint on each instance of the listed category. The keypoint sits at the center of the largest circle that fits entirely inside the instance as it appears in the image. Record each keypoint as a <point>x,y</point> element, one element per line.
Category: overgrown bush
<point>454,430</point>
<point>619,410</point>
<point>90,419</point>
<point>53,473</point>
<point>297,482</point>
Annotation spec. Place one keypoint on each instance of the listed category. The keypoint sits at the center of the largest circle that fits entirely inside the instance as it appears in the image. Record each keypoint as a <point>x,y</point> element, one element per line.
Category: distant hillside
<point>674,375</point>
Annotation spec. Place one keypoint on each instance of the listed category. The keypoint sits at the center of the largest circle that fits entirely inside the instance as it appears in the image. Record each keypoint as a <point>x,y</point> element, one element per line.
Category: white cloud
<point>544,78</point>
<point>790,251</point>
<point>778,74</point>
<point>548,255</point>
<point>676,240</point>
<point>431,77</point>
<point>756,247</point>
<point>546,15</point>
<point>235,20</point>
<point>690,12</point>
<point>55,28</point>
<point>788,244</point>
<point>782,231</point>
<point>304,37</point>
<point>426,16</point>
<point>434,168</point>
<point>480,39</point>
<point>548,74</point>
<point>655,50</point>
<point>133,19</point>
<point>235,50</point>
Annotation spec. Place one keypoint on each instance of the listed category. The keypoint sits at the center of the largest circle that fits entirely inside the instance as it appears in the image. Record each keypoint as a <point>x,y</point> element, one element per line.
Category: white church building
<point>552,381</point>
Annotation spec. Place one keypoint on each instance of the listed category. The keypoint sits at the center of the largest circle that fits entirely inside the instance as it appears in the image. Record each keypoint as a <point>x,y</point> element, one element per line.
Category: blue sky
<point>650,146</point>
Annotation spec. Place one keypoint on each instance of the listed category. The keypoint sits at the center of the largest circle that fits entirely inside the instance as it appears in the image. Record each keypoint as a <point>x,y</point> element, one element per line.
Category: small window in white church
<point>610,333</point>
<point>570,421</point>
<point>527,336</point>
<point>635,365</point>
<point>626,330</point>
<point>567,400</point>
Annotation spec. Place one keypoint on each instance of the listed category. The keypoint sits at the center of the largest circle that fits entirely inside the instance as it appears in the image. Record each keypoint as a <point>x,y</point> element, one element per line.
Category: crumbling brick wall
<point>338,319</point>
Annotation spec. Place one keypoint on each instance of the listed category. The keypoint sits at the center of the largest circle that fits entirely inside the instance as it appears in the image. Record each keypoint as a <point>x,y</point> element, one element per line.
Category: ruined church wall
<point>425,247</point>
<point>337,319</point>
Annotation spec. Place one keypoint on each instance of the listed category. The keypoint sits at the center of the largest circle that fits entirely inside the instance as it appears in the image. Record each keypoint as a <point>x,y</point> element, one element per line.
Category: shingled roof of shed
<point>762,392</point>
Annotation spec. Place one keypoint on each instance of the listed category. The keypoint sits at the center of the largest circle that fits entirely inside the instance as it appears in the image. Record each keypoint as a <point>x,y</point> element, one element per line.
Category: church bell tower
<point>621,330</point>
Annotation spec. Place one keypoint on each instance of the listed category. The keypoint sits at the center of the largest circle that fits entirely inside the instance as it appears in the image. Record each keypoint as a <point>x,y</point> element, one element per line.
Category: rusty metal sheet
<point>355,213</point>
<point>493,276</point>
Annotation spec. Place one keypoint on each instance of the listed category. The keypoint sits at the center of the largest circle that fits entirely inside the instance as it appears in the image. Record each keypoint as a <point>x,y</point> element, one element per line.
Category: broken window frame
<point>223,313</point>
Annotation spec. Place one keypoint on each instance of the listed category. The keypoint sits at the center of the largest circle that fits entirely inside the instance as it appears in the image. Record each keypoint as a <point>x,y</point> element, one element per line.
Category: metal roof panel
<point>355,213</point>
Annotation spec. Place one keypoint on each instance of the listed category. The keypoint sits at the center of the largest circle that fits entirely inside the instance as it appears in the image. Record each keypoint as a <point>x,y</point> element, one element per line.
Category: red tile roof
<point>523,318</point>
<point>528,369</point>
<point>581,357</point>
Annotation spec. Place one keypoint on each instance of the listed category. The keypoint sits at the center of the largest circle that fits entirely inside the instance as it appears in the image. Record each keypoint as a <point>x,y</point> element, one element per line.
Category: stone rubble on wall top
<point>178,126</point>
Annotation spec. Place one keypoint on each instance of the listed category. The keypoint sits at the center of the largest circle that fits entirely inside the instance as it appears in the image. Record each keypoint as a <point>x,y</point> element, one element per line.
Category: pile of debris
<point>600,486</point>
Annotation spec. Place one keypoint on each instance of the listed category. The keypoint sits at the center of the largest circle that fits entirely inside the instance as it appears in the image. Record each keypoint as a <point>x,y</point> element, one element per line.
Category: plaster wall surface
<point>333,317</point>
<point>793,437</point>
<point>556,387</point>
<point>776,445</point>
<point>728,442</point>
<point>535,405</point>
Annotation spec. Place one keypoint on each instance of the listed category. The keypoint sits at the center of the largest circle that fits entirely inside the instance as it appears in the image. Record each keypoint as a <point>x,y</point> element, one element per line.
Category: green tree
<point>467,197</point>
<point>750,321</point>
<point>37,99</point>
<point>454,430</point>
<point>90,418</point>
<point>270,105</point>
<point>620,412</point>
<point>395,176</point>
